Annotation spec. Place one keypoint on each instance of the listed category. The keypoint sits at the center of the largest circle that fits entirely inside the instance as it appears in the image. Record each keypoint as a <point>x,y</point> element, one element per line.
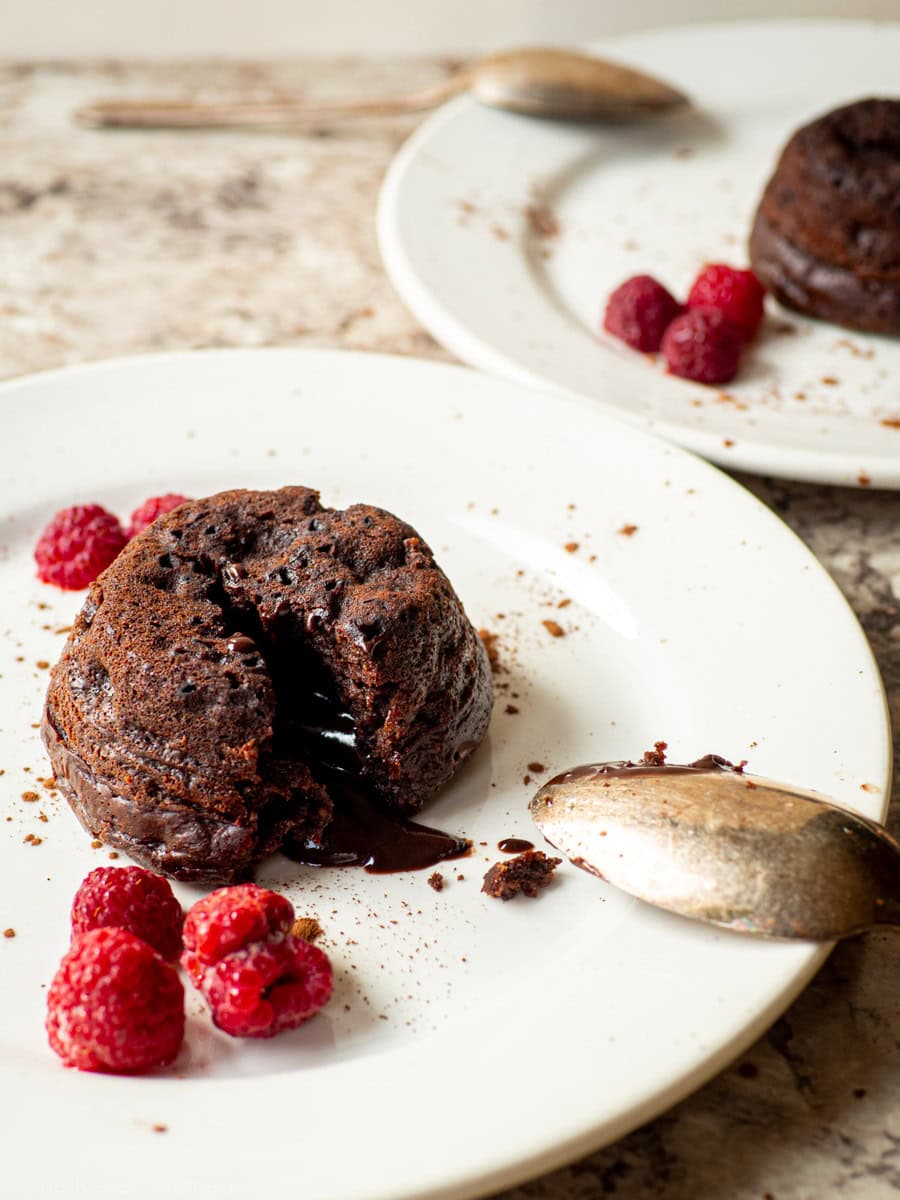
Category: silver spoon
<point>711,843</point>
<point>540,82</point>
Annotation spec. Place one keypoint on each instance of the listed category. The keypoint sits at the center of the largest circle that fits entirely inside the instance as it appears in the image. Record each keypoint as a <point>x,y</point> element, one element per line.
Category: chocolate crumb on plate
<point>436,881</point>
<point>526,873</point>
<point>542,219</point>
<point>657,756</point>
<point>489,641</point>
<point>554,629</point>
<point>307,928</point>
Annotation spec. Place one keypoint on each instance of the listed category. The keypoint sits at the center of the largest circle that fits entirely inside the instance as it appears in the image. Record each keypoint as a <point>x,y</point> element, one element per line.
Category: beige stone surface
<point>116,243</point>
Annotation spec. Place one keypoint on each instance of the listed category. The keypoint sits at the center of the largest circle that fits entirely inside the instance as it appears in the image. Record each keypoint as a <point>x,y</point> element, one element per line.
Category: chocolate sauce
<point>513,845</point>
<point>363,833</point>
<point>619,770</point>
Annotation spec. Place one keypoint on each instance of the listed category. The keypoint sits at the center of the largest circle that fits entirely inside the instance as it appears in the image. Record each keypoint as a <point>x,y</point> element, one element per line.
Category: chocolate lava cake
<point>826,237</point>
<point>244,653</point>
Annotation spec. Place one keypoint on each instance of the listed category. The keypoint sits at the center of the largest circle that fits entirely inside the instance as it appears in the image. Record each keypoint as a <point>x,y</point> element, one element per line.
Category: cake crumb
<point>564,603</point>
<point>537,768</point>
<point>42,664</point>
<point>628,530</point>
<point>96,845</point>
<point>160,1128</point>
<point>657,756</point>
<point>436,881</point>
<point>554,629</point>
<point>113,854</point>
<point>863,479</point>
<point>526,873</point>
<point>307,928</point>
<point>9,933</point>
<point>543,220</point>
<point>30,797</point>
<point>511,710</point>
<point>570,547</point>
<point>490,644</point>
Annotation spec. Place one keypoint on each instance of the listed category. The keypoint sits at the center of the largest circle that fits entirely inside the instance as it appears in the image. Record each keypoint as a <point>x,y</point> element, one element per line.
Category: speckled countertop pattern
<point>117,243</point>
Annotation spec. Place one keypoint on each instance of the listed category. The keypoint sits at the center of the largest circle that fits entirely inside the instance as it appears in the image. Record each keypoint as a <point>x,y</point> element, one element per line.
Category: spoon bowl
<point>567,85</point>
<point>714,844</point>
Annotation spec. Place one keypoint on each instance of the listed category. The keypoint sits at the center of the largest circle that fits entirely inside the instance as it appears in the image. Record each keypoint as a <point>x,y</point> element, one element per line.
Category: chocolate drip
<point>363,833</point>
<point>513,845</point>
<point>619,770</point>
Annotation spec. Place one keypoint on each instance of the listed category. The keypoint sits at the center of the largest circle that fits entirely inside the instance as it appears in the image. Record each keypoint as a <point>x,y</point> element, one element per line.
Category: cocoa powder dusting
<point>543,220</point>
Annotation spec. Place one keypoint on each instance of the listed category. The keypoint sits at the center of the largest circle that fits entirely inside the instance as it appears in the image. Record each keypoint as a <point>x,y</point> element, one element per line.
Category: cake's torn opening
<point>313,727</point>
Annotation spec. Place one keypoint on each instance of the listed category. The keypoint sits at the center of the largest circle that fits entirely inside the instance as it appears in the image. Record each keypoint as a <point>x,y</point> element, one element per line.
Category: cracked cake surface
<point>240,655</point>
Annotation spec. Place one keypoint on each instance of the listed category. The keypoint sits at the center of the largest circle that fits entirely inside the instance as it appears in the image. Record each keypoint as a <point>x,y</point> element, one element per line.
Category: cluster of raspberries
<point>82,541</point>
<point>702,339</point>
<point>117,1002</point>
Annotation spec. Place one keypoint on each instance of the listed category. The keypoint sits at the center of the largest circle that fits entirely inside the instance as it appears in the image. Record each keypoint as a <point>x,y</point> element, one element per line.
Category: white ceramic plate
<point>505,293</point>
<point>470,1043</point>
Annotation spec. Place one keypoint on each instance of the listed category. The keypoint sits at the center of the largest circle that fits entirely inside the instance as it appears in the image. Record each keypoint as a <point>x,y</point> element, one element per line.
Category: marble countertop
<point>116,243</point>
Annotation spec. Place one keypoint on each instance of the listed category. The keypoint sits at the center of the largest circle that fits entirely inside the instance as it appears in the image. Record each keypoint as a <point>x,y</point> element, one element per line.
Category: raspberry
<point>267,987</point>
<point>150,510</point>
<point>639,311</point>
<point>229,919</point>
<point>737,294</point>
<point>114,1005</point>
<point>703,345</point>
<point>133,899</point>
<point>77,545</point>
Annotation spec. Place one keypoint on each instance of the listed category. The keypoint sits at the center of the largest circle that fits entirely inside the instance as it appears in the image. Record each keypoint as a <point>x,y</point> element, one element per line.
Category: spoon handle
<point>229,114</point>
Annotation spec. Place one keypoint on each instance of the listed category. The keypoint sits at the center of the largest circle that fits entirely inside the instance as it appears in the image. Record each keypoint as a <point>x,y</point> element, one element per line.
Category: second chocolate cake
<point>242,653</point>
<point>826,236</point>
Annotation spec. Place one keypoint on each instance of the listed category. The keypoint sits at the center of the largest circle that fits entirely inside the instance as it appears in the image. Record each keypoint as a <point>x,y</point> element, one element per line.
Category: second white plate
<point>505,235</point>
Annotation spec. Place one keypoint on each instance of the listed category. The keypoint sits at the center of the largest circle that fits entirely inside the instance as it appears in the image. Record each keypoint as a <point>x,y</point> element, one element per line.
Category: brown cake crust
<point>826,236</point>
<point>238,651</point>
